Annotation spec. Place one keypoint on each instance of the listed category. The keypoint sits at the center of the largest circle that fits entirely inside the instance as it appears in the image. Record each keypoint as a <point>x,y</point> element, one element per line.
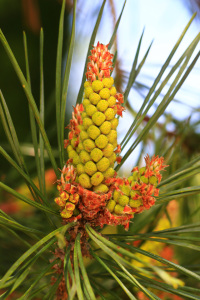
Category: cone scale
<point>89,189</point>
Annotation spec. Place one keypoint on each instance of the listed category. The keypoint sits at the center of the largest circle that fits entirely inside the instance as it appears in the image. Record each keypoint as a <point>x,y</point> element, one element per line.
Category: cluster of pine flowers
<point>89,188</point>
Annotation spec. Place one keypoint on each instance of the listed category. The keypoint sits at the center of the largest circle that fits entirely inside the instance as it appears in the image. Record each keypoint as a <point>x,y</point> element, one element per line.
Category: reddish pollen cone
<point>100,63</point>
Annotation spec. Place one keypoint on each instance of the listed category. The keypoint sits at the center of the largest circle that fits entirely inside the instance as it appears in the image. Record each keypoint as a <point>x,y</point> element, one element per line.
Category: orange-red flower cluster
<point>100,64</point>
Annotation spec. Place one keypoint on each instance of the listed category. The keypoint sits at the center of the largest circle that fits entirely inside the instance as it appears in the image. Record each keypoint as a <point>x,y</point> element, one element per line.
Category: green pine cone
<point>93,155</point>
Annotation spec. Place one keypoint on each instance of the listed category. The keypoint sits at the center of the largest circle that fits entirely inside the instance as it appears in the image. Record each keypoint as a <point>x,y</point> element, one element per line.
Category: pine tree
<point>102,236</point>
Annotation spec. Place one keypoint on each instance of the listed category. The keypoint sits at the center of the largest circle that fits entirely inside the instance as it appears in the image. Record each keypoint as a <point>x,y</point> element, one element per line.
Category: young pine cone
<point>89,187</point>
